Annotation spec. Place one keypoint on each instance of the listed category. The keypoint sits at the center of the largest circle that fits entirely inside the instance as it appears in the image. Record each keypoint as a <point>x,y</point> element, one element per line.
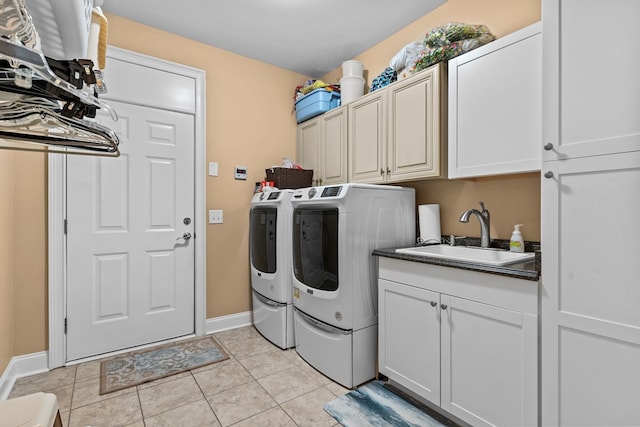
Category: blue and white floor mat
<point>373,405</point>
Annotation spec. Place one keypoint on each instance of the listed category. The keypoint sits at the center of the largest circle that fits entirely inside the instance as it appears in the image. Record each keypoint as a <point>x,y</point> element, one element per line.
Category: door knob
<point>185,236</point>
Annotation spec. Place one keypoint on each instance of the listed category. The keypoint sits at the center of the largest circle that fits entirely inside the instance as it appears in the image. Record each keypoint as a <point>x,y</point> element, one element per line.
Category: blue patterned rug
<point>375,405</point>
<point>158,362</point>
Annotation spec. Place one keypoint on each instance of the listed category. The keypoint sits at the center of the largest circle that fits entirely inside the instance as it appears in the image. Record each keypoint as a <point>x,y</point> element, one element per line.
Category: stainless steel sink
<point>468,254</point>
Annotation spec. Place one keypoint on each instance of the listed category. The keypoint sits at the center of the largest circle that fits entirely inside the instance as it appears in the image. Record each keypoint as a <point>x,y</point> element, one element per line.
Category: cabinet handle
<point>381,172</point>
<point>548,146</point>
<point>548,174</point>
<point>443,306</point>
<point>433,303</point>
<point>388,171</point>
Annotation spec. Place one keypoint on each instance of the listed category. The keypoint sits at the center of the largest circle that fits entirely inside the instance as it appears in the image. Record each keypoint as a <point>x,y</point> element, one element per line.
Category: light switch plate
<point>213,168</point>
<point>215,216</point>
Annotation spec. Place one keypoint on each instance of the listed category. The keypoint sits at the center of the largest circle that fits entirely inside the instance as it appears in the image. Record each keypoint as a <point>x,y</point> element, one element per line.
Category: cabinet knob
<point>388,171</point>
<point>443,306</point>
<point>548,146</point>
<point>433,303</point>
<point>381,172</point>
<point>548,174</point>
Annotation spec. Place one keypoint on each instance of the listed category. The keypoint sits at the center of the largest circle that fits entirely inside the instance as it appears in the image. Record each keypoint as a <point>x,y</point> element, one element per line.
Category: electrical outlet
<point>215,216</point>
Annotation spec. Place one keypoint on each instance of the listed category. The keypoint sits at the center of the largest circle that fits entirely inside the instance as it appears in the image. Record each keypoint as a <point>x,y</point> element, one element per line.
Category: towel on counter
<point>97,48</point>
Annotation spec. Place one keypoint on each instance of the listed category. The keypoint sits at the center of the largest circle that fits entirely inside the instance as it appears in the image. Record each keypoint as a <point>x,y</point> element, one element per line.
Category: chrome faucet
<point>483,217</point>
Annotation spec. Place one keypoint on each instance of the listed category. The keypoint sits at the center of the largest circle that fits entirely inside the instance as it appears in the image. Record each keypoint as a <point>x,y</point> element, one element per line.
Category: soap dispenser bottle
<point>517,242</point>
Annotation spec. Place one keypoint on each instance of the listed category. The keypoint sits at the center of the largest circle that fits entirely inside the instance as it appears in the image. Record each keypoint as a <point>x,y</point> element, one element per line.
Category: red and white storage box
<point>315,103</point>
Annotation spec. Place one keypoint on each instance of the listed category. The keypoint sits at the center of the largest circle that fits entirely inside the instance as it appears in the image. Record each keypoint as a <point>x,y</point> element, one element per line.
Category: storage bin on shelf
<point>315,103</point>
<point>290,178</point>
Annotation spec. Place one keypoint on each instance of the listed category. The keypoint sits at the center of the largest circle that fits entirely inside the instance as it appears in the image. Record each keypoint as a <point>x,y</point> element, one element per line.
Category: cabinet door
<point>308,147</point>
<point>333,146</point>
<point>413,145</point>
<point>489,363</point>
<point>495,107</point>
<point>590,294</point>
<point>367,138</point>
<point>409,337</point>
<point>591,106</point>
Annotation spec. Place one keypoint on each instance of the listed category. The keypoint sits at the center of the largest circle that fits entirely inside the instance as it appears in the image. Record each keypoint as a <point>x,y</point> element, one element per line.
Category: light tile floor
<point>259,385</point>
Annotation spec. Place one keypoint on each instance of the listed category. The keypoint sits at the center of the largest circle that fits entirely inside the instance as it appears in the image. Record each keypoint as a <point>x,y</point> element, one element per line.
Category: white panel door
<point>130,271</point>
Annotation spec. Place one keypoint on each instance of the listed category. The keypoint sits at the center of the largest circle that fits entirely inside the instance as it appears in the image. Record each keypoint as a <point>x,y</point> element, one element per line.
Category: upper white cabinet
<point>322,146</point>
<point>395,133</point>
<point>465,341</point>
<point>495,107</point>
<point>591,102</point>
<point>308,147</point>
<point>368,138</point>
<point>333,147</point>
<point>590,200</point>
<point>417,123</point>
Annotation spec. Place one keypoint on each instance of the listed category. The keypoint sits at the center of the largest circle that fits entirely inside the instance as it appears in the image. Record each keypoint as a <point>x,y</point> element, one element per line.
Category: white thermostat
<point>241,172</point>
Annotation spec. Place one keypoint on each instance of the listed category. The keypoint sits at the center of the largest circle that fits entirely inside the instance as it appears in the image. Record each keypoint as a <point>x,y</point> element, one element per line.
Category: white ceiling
<point>311,37</point>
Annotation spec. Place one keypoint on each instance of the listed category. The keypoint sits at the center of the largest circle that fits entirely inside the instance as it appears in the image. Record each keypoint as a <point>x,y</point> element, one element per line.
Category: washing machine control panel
<point>312,193</point>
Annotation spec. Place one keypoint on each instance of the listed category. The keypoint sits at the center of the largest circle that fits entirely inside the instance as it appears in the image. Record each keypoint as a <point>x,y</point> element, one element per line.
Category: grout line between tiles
<point>205,398</point>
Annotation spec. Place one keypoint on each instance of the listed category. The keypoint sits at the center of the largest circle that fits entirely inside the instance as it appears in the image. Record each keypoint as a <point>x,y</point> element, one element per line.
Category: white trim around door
<point>57,202</point>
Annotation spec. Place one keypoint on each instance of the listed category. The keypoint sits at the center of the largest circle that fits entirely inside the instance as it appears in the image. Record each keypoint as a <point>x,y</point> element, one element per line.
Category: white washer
<point>335,230</point>
<point>270,258</point>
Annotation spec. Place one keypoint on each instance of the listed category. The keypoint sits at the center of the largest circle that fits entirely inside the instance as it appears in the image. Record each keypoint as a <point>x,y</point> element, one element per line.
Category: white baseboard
<point>21,366</point>
<point>231,321</point>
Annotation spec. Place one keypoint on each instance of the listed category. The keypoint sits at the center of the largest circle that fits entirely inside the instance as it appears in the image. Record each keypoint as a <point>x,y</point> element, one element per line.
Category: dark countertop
<point>527,270</point>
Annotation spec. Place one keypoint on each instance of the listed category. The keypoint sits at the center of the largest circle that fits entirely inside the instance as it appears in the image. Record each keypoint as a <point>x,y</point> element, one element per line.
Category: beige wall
<point>6,258</point>
<point>23,283</point>
<point>249,123</point>
<point>511,199</point>
<point>30,252</point>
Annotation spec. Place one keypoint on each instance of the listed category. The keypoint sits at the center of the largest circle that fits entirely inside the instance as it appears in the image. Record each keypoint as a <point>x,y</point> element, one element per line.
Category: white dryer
<point>335,230</point>
<point>270,258</point>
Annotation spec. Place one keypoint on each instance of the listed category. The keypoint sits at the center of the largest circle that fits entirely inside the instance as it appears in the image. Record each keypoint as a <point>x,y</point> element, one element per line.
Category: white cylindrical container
<point>429,220</point>
<point>351,88</point>
<point>352,68</point>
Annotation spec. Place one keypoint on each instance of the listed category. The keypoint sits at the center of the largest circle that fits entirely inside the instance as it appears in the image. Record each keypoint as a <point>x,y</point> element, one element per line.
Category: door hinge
<point>65,325</point>
<point>65,226</point>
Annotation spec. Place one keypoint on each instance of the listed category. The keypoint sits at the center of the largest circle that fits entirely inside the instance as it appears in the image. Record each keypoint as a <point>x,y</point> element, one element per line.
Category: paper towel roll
<point>429,219</point>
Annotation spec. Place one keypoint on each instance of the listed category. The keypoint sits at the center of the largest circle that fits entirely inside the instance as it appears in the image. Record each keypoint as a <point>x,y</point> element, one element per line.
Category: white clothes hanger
<point>32,122</point>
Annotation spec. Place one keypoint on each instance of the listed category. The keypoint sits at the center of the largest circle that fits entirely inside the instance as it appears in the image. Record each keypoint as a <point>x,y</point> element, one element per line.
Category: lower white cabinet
<point>463,340</point>
<point>590,293</point>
